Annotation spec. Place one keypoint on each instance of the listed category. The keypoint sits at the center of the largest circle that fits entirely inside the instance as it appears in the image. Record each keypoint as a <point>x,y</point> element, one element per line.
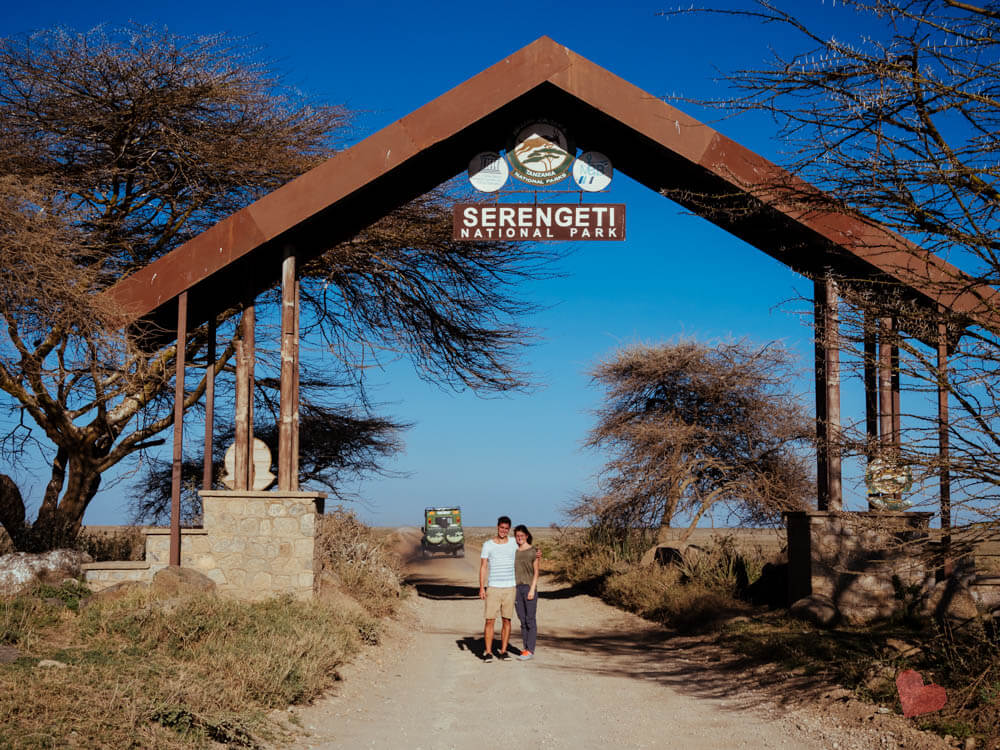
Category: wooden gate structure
<point>669,152</point>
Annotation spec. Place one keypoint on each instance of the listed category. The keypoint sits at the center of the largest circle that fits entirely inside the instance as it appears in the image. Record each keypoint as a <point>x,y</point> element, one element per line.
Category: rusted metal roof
<point>646,138</point>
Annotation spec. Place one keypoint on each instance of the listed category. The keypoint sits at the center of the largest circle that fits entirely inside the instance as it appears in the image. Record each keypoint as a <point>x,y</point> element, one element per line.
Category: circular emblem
<point>541,154</point>
<point>886,478</point>
<point>592,171</point>
<point>488,171</point>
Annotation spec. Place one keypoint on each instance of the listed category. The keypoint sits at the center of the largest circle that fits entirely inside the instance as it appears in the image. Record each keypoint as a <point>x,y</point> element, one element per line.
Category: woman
<point>526,596</point>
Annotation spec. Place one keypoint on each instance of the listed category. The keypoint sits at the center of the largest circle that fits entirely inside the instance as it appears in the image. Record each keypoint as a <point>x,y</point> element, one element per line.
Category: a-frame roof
<point>646,138</point>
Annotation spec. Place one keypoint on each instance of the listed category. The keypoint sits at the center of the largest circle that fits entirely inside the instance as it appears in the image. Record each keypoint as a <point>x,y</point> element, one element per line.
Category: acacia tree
<point>118,146</point>
<point>690,427</point>
<point>902,124</point>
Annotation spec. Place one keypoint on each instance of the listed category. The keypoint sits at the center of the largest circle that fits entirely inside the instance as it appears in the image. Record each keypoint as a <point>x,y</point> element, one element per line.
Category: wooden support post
<point>243,454</point>
<point>827,342</point>
<point>295,391</point>
<point>175,478</point>
<point>871,391</point>
<point>289,366</point>
<point>250,319</point>
<point>943,444</point>
<point>897,427</point>
<point>885,385</point>
<point>206,471</point>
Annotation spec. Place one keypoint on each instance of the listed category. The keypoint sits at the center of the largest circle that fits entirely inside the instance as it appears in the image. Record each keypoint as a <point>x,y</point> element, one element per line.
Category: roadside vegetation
<point>705,592</point>
<point>692,594</point>
<point>149,671</point>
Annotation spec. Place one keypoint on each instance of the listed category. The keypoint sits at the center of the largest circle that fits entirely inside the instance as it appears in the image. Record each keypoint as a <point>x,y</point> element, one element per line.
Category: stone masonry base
<point>861,561</point>
<point>253,544</point>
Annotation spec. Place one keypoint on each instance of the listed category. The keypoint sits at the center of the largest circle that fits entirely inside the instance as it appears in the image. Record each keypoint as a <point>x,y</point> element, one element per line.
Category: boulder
<point>51,664</point>
<point>175,581</point>
<point>816,608</point>
<point>904,649</point>
<point>21,570</point>
<point>771,589</point>
<point>666,554</point>
<point>950,600</point>
<point>113,593</point>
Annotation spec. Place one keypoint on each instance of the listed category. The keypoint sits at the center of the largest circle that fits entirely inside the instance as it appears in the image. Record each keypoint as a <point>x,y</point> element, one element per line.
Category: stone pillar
<point>260,543</point>
<point>857,559</point>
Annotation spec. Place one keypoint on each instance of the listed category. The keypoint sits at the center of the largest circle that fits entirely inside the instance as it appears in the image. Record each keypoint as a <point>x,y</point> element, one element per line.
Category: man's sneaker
<point>487,657</point>
<point>525,655</point>
<point>503,656</point>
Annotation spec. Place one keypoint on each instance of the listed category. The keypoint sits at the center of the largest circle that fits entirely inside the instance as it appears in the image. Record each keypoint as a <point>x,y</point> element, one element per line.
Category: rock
<point>771,589</point>
<point>51,663</point>
<point>175,581</point>
<point>8,654</point>
<point>816,608</point>
<point>113,593</point>
<point>662,554</point>
<point>906,650</point>
<point>985,590</point>
<point>20,570</point>
<point>879,678</point>
<point>665,554</point>
<point>950,600</point>
<point>838,694</point>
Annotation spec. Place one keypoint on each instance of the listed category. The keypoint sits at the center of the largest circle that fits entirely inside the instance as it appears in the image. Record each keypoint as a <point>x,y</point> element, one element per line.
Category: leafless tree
<point>690,427</point>
<point>119,145</point>
<point>901,123</point>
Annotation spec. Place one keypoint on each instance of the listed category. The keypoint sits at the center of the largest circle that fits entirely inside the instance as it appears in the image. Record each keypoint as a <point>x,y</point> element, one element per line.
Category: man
<point>497,585</point>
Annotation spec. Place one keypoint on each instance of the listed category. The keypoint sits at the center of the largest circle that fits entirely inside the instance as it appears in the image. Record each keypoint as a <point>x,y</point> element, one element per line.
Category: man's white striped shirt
<point>501,559</point>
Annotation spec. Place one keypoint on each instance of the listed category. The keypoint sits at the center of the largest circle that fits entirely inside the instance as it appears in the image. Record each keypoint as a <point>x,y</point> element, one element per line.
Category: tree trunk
<point>11,510</point>
<point>59,523</point>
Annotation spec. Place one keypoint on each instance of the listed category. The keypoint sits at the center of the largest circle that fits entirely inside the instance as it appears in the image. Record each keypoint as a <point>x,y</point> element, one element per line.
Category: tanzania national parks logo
<point>541,154</point>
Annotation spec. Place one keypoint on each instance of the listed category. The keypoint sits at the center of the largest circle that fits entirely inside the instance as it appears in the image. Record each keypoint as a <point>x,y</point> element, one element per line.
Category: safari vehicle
<point>443,532</point>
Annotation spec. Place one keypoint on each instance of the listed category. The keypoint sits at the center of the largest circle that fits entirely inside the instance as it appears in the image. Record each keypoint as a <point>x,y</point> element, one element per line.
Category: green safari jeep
<point>443,532</point>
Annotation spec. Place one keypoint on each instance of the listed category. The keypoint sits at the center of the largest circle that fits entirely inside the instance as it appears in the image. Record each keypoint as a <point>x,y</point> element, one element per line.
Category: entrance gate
<point>654,143</point>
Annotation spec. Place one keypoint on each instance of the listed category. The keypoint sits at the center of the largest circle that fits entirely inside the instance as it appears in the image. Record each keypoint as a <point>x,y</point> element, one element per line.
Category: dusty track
<point>602,678</point>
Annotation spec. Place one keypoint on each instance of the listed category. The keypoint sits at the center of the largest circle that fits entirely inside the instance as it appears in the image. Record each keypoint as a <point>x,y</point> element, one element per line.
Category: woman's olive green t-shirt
<point>524,565</point>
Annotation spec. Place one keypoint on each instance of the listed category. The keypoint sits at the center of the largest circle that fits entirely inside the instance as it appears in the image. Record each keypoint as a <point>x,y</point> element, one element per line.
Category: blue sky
<point>677,275</point>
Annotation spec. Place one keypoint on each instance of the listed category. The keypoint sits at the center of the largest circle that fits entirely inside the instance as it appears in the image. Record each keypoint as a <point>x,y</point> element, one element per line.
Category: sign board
<point>538,221</point>
<point>488,172</point>
<point>541,153</point>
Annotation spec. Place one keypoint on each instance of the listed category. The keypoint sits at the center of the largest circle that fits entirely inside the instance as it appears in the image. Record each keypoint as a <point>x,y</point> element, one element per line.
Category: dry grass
<point>965,661</point>
<point>701,592</point>
<point>113,543</point>
<point>145,672</point>
<point>359,561</point>
<point>696,594</point>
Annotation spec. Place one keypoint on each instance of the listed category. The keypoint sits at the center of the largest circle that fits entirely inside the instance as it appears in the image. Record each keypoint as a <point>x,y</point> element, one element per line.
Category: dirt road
<point>601,679</point>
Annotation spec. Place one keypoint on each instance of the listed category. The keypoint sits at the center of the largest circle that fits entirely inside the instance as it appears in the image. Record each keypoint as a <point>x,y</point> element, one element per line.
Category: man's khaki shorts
<point>500,602</point>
